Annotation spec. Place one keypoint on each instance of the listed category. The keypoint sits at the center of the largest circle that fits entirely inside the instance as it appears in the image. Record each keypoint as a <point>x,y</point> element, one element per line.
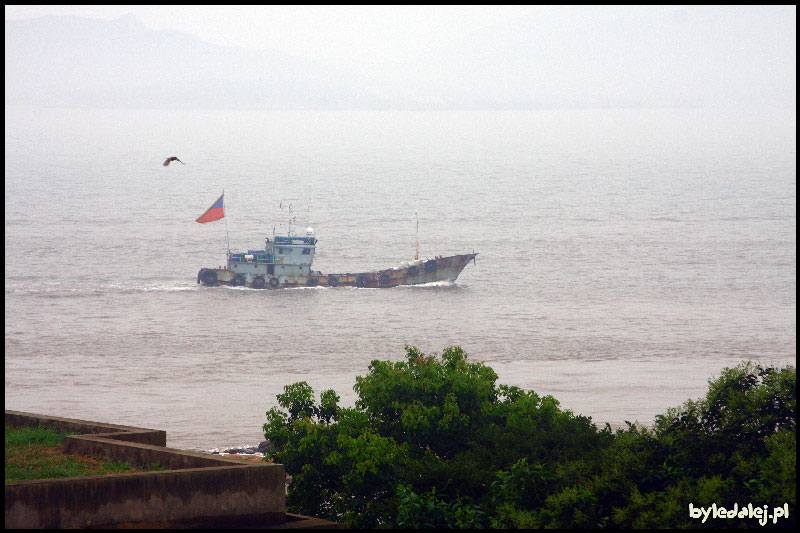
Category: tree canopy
<point>435,442</point>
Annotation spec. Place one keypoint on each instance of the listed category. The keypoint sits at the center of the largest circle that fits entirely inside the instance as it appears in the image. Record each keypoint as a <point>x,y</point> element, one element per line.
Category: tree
<point>434,442</point>
<point>427,427</point>
<point>736,445</point>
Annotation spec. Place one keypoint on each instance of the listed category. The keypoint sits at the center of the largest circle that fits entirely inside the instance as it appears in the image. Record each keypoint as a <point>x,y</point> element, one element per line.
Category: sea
<point>625,256</point>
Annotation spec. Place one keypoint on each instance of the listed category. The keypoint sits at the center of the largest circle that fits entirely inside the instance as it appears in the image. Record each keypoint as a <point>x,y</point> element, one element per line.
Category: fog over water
<point>383,57</point>
<point>628,251</point>
<point>617,272</point>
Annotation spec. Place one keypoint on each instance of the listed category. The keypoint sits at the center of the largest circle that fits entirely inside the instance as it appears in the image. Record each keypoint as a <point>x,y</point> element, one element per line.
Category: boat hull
<point>419,272</point>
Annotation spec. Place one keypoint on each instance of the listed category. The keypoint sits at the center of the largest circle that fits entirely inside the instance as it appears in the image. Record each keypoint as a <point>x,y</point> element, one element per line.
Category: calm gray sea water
<point>626,256</point>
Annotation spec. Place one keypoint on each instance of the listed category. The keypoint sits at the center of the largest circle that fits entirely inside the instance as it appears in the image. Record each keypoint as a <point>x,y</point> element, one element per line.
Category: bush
<point>434,442</point>
<point>428,428</point>
<point>736,445</point>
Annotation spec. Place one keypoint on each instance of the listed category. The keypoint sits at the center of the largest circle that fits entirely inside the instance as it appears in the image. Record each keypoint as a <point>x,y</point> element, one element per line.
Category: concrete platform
<point>195,491</point>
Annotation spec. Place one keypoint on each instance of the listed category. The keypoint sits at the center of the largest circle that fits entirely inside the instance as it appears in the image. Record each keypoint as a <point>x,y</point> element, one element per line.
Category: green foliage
<point>439,428</point>
<point>433,442</point>
<point>745,406</point>
<point>428,511</point>
<point>34,435</point>
<point>428,404</point>
<point>735,445</point>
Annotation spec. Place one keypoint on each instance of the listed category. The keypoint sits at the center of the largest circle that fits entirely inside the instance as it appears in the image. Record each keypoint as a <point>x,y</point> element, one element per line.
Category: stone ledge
<point>197,490</point>
<point>126,433</point>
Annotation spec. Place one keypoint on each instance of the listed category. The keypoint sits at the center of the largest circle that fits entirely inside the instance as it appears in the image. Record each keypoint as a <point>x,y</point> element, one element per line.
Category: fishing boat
<point>285,261</point>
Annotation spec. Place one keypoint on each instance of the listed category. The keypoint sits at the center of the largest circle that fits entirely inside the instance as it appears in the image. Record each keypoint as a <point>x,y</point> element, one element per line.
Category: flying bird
<point>171,159</point>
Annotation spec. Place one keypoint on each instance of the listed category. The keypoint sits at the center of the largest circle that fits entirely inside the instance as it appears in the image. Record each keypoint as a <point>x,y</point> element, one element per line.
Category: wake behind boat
<point>286,262</point>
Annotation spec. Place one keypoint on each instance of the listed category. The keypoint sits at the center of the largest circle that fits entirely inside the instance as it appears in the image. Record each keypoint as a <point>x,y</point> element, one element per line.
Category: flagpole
<point>226,222</point>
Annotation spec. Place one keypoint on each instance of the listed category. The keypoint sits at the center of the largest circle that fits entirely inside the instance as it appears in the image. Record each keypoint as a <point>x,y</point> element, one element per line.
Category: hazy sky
<point>458,56</point>
<point>342,36</point>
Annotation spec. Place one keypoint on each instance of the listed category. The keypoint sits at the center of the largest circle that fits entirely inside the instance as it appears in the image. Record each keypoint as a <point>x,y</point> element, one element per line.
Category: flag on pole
<point>215,212</point>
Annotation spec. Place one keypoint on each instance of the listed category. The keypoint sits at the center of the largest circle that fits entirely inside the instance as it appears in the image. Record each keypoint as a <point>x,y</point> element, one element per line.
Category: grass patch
<point>37,435</point>
<point>36,453</point>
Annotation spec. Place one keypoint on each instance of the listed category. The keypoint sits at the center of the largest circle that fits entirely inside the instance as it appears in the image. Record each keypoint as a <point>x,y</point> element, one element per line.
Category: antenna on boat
<point>416,255</point>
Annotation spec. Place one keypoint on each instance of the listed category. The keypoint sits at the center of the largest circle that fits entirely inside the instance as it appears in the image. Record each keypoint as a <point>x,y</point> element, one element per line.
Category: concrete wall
<point>195,489</point>
<point>156,437</point>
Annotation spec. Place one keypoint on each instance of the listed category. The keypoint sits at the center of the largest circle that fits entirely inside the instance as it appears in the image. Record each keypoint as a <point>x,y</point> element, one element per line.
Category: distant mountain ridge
<point>74,61</point>
<point>567,57</point>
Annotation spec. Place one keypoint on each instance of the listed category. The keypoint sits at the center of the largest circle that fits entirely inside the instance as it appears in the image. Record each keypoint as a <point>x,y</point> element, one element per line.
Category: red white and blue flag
<point>215,212</point>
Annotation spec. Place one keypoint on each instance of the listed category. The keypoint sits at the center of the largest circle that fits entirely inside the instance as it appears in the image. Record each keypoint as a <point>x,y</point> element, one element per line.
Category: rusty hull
<point>427,271</point>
